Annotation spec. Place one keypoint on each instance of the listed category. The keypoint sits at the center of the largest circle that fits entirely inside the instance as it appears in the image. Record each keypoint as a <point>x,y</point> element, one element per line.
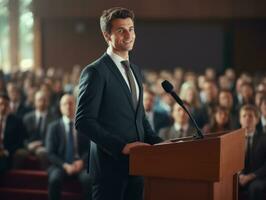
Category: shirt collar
<point>66,120</point>
<point>40,114</point>
<point>116,58</point>
<point>263,121</point>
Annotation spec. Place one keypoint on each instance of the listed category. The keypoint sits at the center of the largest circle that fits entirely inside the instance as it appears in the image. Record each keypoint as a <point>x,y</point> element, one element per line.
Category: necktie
<point>131,81</point>
<point>70,144</point>
<point>39,126</point>
<point>248,152</point>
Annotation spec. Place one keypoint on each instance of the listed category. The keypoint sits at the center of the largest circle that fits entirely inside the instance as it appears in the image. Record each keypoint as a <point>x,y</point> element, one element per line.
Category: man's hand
<point>69,168</point>
<point>244,179</point>
<point>34,145</point>
<point>78,164</point>
<point>129,146</point>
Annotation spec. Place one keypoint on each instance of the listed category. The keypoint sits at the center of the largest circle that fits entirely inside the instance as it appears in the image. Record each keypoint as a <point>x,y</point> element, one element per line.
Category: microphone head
<point>167,86</point>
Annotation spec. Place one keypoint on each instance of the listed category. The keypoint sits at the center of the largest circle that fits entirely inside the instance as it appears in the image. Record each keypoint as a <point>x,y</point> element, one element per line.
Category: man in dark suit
<point>110,111</point>
<point>261,126</point>
<point>157,120</point>
<point>12,133</point>
<point>252,178</point>
<point>181,126</point>
<point>36,123</point>
<point>67,151</point>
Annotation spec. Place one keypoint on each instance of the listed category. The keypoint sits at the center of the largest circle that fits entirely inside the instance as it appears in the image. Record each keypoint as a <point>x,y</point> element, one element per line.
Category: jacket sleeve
<point>91,91</point>
<point>52,146</point>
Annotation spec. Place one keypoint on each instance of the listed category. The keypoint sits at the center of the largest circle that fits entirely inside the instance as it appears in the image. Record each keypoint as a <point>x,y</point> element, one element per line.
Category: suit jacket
<point>105,113</point>
<point>257,164</point>
<point>29,121</point>
<point>161,120</point>
<point>14,134</point>
<point>56,144</point>
<point>172,133</point>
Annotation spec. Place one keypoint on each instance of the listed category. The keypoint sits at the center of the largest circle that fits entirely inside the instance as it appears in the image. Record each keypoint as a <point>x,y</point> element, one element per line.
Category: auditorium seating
<point>32,185</point>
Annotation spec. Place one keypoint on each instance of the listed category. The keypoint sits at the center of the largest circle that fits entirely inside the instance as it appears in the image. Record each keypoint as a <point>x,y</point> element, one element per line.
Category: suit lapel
<point>111,65</point>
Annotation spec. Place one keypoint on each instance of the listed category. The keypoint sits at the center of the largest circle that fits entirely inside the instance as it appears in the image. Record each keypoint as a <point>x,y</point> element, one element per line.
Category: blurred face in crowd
<point>263,108</point>
<point>179,115</point>
<point>248,120</point>
<point>247,93</point>
<point>41,101</point>
<point>4,106</point>
<point>230,74</point>
<point>13,92</point>
<point>225,99</point>
<point>67,106</point>
<point>148,101</point>
<point>258,97</point>
<point>224,83</point>
<point>190,96</point>
<point>210,91</point>
<point>122,36</point>
<point>221,117</point>
<point>210,74</point>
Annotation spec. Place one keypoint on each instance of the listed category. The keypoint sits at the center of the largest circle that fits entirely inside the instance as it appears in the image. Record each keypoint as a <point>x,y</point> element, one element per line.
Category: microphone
<point>168,87</point>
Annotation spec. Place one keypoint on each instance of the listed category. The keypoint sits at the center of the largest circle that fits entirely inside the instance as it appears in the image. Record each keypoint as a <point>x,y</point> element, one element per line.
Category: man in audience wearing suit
<point>110,111</point>
<point>36,123</point>
<point>181,126</point>
<point>17,106</point>
<point>156,119</point>
<point>252,178</point>
<point>12,133</point>
<point>261,127</point>
<point>67,151</point>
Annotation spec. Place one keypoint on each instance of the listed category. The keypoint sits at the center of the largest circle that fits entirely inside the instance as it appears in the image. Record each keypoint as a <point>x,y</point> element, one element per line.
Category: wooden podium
<point>188,169</point>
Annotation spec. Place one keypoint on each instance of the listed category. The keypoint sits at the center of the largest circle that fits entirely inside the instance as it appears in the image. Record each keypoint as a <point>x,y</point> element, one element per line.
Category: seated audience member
<point>261,127</point>
<point>36,123</point>
<point>181,126</point>
<point>17,106</point>
<point>204,114</point>
<point>220,121</point>
<point>12,133</point>
<point>188,92</point>
<point>225,99</point>
<point>252,177</point>
<point>157,119</point>
<point>67,151</point>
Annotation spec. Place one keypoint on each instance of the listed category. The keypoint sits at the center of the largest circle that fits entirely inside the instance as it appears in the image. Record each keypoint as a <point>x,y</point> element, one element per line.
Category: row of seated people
<point>214,109</point>
<point>54,142</point>
<point>252,118</point>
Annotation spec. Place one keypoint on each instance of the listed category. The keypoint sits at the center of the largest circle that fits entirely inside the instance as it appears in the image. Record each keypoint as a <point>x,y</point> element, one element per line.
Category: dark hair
<point>114,13</point>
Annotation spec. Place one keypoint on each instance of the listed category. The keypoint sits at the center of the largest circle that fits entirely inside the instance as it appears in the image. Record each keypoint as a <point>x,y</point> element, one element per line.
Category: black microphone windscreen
<point>167,86</point>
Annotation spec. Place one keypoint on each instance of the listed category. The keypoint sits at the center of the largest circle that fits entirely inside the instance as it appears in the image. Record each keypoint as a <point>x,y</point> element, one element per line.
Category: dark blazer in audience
<point>56,147</point>
<point>30,122</point>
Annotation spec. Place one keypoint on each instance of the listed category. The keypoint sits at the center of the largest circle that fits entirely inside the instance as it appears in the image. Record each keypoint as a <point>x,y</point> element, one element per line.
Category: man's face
<point>67,106</point>
<point>179,115</point>
<point>148,100</point>
<point>226,99</point>
<point>41,102</point>
<point>3,106</point>
<point>248,119</point>
<point>122,36</point>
